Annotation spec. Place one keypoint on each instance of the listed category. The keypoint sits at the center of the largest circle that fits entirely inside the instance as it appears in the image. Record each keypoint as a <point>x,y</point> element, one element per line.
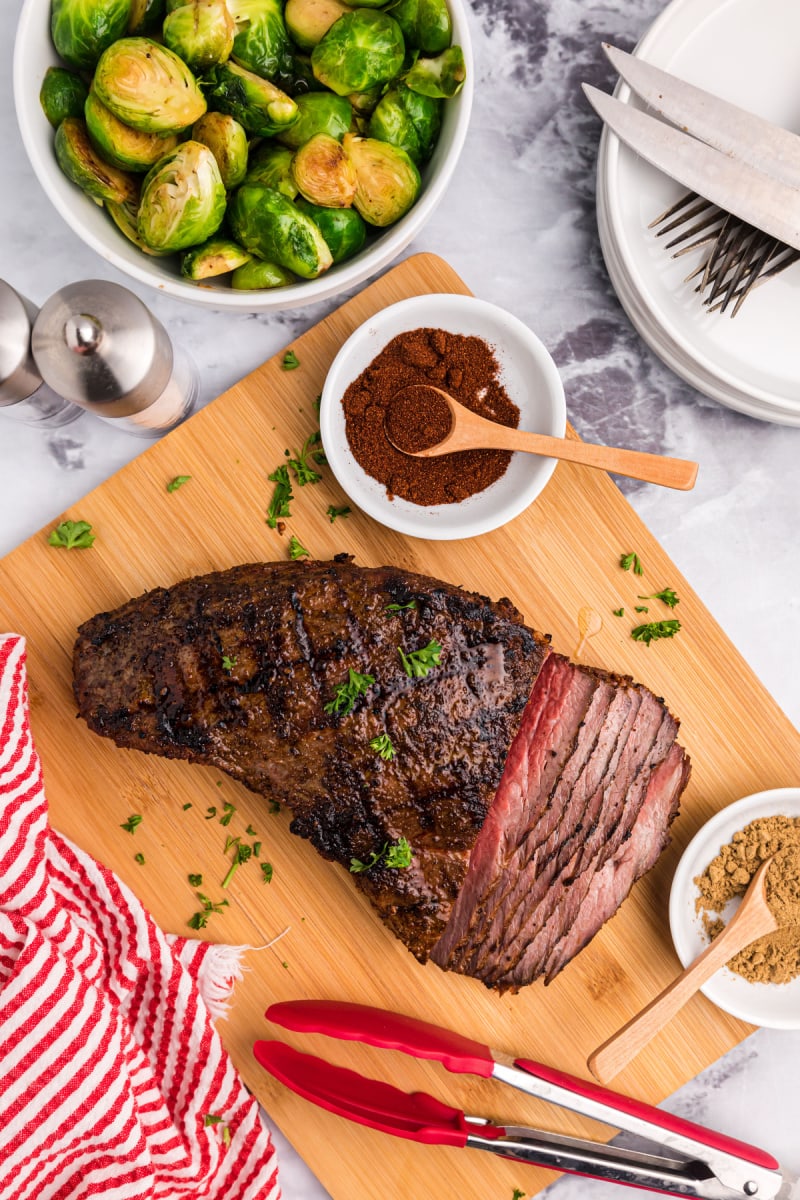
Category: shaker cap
<point>18,375</point>
<point>98,345</point>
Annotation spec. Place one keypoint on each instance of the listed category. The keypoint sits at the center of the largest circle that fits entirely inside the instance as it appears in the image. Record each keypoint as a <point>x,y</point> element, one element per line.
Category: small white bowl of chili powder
<point>485,358</point>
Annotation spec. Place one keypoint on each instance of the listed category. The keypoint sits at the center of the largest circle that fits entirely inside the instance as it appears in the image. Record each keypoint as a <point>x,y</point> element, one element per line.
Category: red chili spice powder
<point>467,368</point>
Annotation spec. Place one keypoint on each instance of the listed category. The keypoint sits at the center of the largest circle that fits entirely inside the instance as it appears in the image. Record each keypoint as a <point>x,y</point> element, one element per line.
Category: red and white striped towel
<point>110,1067</point>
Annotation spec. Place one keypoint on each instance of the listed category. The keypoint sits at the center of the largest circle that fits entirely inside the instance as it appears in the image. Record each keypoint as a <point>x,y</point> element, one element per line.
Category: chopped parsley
<point>186,806</point>
<point>299,464</point>
<point>199,920</point>
<point>290,361</point>
<point>632,562</point>
<point>281,497</point>
<point>383,745</point>
<point>266,872</point>
<point>518,1194</point>
<point>346,694</point>
<point>317,402</point>
<point>177,482</point>
<point>139,858</point>
<point>250,831</point>
<point>618,612</point>
<point>395,608</point>
<point>243,853</point>
<point>396,855</point>
<point>211,812</point>
<point>640,608</point>
<point>228,811</point>
<point>655,630</point>
<point>196,881</point>
<point>334,512</point>
<point>667,597</point>
<point>256,849</point>
<point>296,550</point>
<point>274,807</point>
<point>132,822</point>
<point>228,662</point>
<point>211,1119</point>
<point>72,535</point>
<point>418,663</point>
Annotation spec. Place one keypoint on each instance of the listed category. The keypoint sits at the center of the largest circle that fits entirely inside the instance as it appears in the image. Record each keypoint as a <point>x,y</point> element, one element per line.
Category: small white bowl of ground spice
<point>762,984</point>
<point>484,357</point>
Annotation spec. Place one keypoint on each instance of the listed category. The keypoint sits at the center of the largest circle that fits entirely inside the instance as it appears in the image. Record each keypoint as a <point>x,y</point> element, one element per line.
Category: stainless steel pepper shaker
<point>23,394</point>
<point>96,343</point>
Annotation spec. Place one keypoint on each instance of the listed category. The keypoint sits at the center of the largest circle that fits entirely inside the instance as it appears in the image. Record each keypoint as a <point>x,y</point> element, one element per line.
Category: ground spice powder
<point>467,368</point>
<point>774,958</point>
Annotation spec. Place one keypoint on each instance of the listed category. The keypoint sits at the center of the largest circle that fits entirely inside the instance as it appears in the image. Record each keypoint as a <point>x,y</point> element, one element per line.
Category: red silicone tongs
<point>692,1160</point>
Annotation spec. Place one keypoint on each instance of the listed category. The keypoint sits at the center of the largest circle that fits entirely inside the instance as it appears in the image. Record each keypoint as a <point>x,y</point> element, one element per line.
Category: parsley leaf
<point>274,807</point>
<point>196,881</point>
<point>618,612</point>
<point>130,825</point>
<point>211,1119</point>
<point>290,361</point>
<point>139,858</point>
<point>334,512</point>
<point>186,806</point>
<point>396,855</point>
<point>228,662</point>
<point>653,631</point>
<point>177,482</point>
<point>395,608</point>
<point>243,852</point>
<point>72,535</point>
<point>346,694</point>
<point>281,497</point>
<point>266,872</point>
<point>518,1194</point>
<point>631,562</point>
<point>199,920</point>
<point>228,811</point>
<point>640,607</point>
<point>668,597</point>
<point>299,464</point>
<point>383,746</point>
<point>211,812</point>
<point>296,550</point>
<point>418,663</point>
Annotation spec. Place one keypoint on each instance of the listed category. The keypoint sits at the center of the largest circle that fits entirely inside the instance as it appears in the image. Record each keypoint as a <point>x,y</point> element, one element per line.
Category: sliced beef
<point>533,792</point>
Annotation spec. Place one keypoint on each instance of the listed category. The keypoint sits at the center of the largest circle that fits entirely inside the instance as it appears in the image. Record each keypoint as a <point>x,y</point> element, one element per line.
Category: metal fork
<point>740,257</point>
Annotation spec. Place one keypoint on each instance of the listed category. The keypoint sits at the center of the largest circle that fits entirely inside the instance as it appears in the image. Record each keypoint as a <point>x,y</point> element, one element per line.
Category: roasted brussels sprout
<point>125,217</point>
<point>323,172</point>
<point>363,103</point>
<point>62,94</point>
<point>201,33</point>
<point>123,147</point>
<point>302,79</point>
<point>318,112</point>
<point>82,29</point>
<point>408,120</point>
<point>426,24</point>
<point>258,275</point>
<point>363,48</point>
<point>217,256</point>
<point>78,160</point>
<point>227,141</point>
<point>148,87</point>
<point>343,229</point>
<point>146,16</point>
<point>183,199</point>
<point>261,44</point>
<point>309,20</point>
<point>273,228</point>
<point>387,182</point>
<point>270,165</point>
<point>440,77</point>
<point>256,103</point>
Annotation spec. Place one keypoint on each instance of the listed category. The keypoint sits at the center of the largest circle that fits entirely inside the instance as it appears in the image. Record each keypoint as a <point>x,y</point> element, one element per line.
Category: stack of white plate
<point>747,52</point>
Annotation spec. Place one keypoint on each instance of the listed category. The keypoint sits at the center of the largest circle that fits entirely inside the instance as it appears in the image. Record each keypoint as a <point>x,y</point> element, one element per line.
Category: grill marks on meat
<point>534,792</point>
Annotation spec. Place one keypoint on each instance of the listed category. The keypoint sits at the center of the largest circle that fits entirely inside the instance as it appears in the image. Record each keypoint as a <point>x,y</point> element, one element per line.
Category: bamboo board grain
<point>560,555</point>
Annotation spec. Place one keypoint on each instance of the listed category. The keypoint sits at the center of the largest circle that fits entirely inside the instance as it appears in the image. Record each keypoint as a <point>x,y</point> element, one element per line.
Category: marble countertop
<point>518,224</point>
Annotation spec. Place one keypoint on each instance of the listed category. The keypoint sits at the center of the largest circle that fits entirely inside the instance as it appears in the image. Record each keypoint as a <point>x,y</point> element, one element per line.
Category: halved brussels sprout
<point>148,87</point>
<point>309,20</point>
<point>146,16</point>
<point>82,29</point>
<point>440,77</point>
<point>123,147</point>
<point>343,229</point>
<point>270,165</point>
<point>125,217</point>
<point>323,172</point>
<point>256,103</point>
<point>63,94</point>
<point>387,182</point>
<point>318,112</point>
<point>227,141</point>
<point>217,256</point>
<point>363,48</point>
<point>257,275</point>
<point>273,228</point>
<point>183,199</point>
<point>78,160</point>
<point>261,44</point>
<point>201,33</point>
<point>408,120</point>
<point>426,24</point>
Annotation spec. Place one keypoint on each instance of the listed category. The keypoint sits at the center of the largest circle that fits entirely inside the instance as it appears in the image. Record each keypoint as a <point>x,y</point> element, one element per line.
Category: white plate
<point>744,51</point>
<point>775,1005</point>
<point>528,374</point>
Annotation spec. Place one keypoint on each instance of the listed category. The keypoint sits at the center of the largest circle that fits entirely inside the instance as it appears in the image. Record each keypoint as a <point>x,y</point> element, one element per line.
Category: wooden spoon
<point>752,920</point>
<point>468,431</point>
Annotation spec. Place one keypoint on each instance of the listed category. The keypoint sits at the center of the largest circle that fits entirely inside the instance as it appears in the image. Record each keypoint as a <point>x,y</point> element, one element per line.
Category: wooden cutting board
<point>559,556</point>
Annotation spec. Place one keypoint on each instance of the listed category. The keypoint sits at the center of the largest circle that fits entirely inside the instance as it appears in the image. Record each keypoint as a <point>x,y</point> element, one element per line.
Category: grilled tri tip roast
<point>532,792</point>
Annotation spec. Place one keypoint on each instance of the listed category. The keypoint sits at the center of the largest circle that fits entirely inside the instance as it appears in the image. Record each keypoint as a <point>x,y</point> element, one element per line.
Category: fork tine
<point>691,213</point>
<point>676,207</point>
<point>749,267</point>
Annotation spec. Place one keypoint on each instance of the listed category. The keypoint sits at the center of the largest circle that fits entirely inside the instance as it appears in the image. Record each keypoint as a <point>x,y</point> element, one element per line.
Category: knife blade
<point>730,183</point>
<point>720,124</point>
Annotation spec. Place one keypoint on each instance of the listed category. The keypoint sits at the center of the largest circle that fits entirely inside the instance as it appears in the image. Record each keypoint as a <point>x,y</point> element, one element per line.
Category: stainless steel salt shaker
<point>96,343</point>
<point>23,394</point>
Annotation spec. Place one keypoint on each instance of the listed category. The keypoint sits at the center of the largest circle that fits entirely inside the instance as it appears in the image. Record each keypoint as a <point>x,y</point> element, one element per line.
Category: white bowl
<point>774,1005</point>
<point>528,374</point>
<point>34,53</point>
